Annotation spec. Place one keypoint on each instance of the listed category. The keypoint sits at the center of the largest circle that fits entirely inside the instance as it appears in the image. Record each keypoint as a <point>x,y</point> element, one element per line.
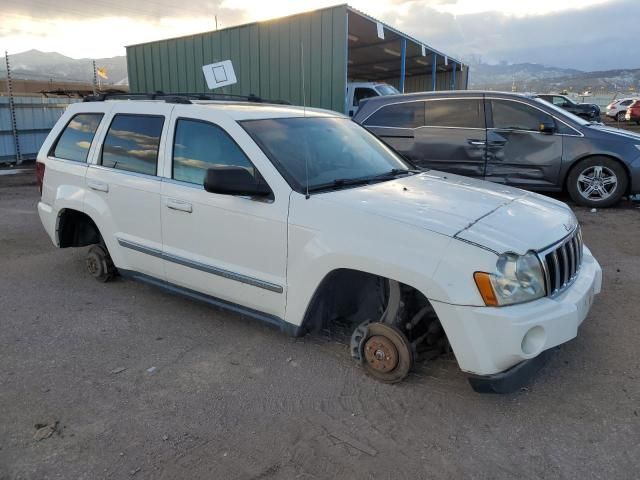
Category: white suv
<point>303,219</point>
<point>618,108</point>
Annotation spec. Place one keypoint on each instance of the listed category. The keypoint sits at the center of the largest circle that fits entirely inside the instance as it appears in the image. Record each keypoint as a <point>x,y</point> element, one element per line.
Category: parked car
<point>633,112</point>
<point>588,111</point>
<point>618,108</point>
<point>303,218</point>
<point>358,91</point>
<point>509,138</point>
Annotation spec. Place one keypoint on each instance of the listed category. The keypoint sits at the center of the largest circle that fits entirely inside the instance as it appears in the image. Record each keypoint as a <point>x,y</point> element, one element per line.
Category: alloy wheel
<point>597,183</point>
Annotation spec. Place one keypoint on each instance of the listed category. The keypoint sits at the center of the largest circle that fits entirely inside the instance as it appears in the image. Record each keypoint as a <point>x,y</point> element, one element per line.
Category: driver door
<point>517,152</point>
<point>229,247</point>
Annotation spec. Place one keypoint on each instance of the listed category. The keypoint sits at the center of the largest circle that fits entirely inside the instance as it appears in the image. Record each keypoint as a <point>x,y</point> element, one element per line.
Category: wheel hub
<point>597,183</point>
<point>380,353</point>
<point>92,265</point>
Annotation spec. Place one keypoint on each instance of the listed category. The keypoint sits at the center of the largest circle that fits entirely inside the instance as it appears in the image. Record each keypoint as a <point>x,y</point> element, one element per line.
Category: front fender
<point>400,253</point>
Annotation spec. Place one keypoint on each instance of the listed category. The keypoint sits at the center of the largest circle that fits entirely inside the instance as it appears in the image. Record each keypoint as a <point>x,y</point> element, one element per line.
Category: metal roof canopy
<point>371,58</point>
<point>340,43</point>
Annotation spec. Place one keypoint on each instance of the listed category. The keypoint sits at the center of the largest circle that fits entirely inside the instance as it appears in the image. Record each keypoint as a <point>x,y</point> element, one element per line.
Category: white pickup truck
<point>301,218</point>
<point>358,91</point>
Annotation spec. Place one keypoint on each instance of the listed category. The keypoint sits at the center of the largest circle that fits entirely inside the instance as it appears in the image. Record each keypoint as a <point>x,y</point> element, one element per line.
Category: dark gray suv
<point>509,138</point>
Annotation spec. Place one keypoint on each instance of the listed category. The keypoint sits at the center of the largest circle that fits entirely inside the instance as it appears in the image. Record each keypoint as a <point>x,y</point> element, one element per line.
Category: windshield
<point>386,90</point>
<point>564,113</point>
<point>326,151</point>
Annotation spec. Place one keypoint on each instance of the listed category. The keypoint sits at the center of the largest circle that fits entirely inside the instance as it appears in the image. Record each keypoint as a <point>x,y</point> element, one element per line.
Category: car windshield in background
<point>562,111</point>
<point>324,153</point>
<point>387,90</point>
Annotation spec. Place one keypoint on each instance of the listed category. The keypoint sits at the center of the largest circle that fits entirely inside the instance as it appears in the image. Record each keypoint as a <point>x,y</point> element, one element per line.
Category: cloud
<point>81,9</point>
<point>591,37</point>
<point>88,125</point>
<point>578,38</point>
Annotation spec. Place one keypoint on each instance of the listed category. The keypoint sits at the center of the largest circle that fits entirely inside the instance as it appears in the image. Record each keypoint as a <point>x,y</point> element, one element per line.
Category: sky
<point>581,34</point>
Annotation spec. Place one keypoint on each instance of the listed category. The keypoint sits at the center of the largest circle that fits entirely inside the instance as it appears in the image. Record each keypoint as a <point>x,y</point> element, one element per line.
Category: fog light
<point>533,341</point>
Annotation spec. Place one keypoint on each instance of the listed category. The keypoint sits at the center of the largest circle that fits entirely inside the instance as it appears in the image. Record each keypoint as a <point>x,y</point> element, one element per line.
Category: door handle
<point>476,142</point>
<point>100,186</point>
<point>499,143</point>
<point>179,205</point>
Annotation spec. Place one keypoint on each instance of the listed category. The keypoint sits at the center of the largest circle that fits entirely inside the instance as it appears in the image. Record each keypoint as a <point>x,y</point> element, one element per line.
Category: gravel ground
<point>122,380</point>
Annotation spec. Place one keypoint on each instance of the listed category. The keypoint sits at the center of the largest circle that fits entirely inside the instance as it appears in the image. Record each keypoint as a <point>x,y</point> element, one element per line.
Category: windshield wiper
<point>341,182</point>
<point>394,172</point>
<point>350,182</point>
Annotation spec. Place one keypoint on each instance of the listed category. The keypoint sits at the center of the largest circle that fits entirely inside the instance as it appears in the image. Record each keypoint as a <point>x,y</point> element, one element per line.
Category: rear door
<point>454,137</point>
<point>445,134</point>
<point>124,187</point>
<point>517,152</point>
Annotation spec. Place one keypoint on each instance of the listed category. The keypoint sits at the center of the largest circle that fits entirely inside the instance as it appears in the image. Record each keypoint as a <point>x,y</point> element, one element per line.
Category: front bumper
<point>490,340</point>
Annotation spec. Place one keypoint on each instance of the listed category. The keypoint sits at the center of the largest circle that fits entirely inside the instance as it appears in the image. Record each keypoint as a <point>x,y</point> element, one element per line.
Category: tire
<point>99,264</point>
<point>387,341</point>
<point>609,185</point>
<point>620,116</point>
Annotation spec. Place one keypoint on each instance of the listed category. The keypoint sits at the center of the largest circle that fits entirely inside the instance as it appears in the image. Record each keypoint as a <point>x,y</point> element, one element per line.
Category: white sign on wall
<point>219,74</point>
<point>380,28</point>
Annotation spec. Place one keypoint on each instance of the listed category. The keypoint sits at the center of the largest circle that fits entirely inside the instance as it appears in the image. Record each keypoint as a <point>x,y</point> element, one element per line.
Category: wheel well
<point>565,183</point>
<point>346,298</point>
<point>77,229</point>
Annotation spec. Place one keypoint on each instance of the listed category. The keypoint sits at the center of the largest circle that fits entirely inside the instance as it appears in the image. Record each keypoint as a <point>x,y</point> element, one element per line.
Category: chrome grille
<point>561,263</point>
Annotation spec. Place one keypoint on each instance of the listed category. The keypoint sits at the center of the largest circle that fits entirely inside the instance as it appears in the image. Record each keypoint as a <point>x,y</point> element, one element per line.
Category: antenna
<point>304,111</point>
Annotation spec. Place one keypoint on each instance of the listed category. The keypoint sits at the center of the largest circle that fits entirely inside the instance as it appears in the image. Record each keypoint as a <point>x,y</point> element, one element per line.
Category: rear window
<point>75,140</point>
<point>132,143</point>
<point>398,115</point>
<point>458,113</point>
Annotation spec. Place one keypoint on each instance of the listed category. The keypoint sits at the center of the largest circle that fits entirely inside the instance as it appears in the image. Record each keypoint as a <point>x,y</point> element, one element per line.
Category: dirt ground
<point>610,122</point>
<point>122,380</point>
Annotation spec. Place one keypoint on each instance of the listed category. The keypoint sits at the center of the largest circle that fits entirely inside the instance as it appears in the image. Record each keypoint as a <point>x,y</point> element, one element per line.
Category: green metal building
<point>339,44</point>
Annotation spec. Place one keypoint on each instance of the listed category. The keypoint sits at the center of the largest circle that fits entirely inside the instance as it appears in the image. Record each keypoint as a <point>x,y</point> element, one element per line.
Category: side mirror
<point>228,180</point>
<point>547,127</point>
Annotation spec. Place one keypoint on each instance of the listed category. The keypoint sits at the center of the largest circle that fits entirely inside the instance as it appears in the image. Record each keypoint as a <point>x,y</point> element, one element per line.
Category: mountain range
<point>534,77</point>
<point>37,65</point>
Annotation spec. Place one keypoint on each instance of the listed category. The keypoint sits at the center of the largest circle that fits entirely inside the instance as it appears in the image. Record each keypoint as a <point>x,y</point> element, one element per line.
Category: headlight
<point>517,279</point>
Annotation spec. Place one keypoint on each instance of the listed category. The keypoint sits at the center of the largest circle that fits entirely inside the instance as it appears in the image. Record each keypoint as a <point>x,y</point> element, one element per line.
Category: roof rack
<point>184,98</point>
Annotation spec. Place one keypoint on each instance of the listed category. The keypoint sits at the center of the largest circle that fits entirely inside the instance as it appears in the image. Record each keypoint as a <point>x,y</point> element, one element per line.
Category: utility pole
<point>12,111</point>
<point>216,19</point>
<point>95,79</point>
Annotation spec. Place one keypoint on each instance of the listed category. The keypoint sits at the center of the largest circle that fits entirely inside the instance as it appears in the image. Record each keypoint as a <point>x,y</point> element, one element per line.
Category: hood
<point>494,216</point>
<point>618,132</point>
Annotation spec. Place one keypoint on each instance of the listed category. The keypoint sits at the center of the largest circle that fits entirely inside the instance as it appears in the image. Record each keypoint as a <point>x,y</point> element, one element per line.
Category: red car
<point>633,112</point>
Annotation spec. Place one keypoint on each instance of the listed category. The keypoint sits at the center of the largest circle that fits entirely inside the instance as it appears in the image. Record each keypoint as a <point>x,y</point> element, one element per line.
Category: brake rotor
<point>387,353</point>
<point>380,353</point>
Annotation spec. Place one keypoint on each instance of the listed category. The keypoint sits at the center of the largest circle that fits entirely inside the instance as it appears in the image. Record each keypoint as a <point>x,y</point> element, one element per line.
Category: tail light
<point>40,175</point>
